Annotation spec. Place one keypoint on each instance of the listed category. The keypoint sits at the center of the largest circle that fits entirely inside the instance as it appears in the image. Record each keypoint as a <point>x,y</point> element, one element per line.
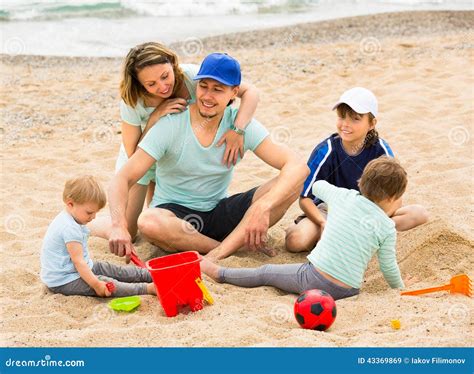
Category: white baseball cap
<point>360,99</point>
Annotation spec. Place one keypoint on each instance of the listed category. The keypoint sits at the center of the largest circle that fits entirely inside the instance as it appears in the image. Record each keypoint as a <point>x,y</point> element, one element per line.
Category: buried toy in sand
<point>458,284</point>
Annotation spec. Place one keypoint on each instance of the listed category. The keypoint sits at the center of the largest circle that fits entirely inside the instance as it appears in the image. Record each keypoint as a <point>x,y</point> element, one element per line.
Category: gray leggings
<point>129,280</point>
<point>293,278</point>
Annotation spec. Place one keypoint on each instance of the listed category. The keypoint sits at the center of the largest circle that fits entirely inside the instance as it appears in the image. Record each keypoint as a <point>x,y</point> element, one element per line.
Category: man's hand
<point>120,242</point>
<point>257,226</point>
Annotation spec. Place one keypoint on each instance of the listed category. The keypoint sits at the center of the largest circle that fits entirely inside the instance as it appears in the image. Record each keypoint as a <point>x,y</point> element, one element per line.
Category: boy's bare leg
<point>101,226</point>
<point>410,216</point>
<point>162,228</point>
<point>302,236</point>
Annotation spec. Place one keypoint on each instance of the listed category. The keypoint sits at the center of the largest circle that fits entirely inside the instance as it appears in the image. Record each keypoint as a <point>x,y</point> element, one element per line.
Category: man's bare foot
<point>210,269</point>
<point>151,289</point>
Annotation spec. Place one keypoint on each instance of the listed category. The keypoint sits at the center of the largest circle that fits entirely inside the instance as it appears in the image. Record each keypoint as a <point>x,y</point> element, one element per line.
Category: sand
<point>59,118</point>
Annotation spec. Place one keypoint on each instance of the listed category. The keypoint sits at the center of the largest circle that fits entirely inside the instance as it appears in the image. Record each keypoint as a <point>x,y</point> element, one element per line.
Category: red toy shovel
<point>136,260</point>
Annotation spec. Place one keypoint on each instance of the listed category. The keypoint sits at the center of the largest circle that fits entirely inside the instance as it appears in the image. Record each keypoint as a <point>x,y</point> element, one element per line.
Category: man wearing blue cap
<point>190,209</point>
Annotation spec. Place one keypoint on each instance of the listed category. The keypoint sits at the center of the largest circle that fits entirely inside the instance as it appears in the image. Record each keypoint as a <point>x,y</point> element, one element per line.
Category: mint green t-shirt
<point>355,230</point>
<point>186,172</point>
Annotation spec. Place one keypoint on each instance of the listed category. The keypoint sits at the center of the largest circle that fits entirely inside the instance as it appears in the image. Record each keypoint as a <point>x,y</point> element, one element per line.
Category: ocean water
<point>112,27</point>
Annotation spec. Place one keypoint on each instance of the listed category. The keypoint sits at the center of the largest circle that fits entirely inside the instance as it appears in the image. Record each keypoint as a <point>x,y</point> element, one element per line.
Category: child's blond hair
<point>84,189</point>
<point>383,178</point>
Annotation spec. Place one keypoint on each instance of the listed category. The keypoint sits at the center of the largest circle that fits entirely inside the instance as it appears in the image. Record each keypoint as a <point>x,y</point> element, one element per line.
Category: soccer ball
<point>315,310</point>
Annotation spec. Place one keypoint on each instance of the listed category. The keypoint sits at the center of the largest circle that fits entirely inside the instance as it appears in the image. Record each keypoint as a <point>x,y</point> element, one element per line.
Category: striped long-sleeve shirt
<point>356,229</point>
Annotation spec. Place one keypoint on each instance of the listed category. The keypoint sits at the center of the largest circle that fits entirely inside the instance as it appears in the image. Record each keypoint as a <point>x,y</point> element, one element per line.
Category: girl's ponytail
<point>371,138</point>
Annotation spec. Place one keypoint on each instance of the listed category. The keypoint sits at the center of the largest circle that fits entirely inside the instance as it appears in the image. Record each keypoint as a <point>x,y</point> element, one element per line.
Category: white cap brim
<point>355,107</point>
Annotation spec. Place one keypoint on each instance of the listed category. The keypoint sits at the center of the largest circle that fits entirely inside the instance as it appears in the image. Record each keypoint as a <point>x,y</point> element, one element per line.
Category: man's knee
<point>149,223</point>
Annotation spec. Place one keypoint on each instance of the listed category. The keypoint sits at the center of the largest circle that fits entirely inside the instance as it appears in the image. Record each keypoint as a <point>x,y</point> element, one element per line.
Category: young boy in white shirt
<point>66,266</point>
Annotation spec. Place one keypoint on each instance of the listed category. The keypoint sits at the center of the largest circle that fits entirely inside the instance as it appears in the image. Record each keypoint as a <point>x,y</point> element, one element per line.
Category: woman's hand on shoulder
<point>234,145</point>
<point>168,106</point>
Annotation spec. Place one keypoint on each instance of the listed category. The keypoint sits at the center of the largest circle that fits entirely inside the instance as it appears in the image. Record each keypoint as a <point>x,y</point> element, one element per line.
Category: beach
<point>60,118</point>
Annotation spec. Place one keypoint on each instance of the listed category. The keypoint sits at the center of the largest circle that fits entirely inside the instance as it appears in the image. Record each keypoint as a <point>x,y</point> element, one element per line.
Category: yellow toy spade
<point>205,292</point>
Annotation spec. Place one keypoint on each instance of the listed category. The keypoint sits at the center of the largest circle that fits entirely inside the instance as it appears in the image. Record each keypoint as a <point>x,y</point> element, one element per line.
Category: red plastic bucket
<point>175,279</point>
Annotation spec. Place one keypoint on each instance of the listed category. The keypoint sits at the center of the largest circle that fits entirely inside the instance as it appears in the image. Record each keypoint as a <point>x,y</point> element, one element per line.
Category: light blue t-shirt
<point>356,230</point>
<point>186,172</point>
<point>57,267</point>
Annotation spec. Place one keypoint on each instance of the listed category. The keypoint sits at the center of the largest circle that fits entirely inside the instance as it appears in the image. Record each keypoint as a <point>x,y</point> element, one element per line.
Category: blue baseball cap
<point>221,67</point>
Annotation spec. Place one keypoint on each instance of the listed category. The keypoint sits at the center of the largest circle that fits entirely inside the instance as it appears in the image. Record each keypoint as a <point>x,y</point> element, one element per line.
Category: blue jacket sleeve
<point>316,161</point>
<point>385,149</point>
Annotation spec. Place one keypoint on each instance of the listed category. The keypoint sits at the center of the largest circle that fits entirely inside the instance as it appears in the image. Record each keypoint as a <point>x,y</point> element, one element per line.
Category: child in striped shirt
<point>358,227</point>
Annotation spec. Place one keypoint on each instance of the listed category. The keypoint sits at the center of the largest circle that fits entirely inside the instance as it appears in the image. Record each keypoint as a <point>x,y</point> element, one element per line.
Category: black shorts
<point>218,222</point>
